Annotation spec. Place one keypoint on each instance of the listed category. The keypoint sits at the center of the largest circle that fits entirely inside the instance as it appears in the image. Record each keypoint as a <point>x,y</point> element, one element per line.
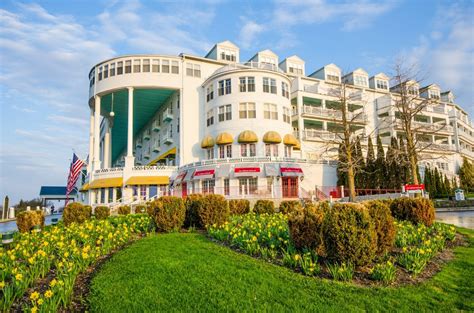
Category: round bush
<point>75,212</point>
<point>306,229</point>
<point>215,210</point>
<point>415,210</point>
<point>140,208</point>
<point>349,234</point>
<point>384,225</point>
<point>124,210</point>
<point>264,206</point>
<point>27,219</point>
<point>194,203</point>
<point>239,206</point>
<point>290,206</point>
<point>168,212</point>
<point>102,212</point>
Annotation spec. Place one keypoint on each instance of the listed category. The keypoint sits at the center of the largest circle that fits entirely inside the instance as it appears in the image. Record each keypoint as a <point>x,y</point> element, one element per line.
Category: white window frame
<point>247,110</point>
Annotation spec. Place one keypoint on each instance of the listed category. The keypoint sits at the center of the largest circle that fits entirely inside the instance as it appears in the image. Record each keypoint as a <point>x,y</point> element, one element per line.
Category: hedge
<point>75,212</point>
<point>306,229</point>
<point>27,219</point>
<point>194,203</point>
<point>290,206</point>
<point>239,206</point>
<point>214,211</point>
<point>168,213</point>
<point>124,210</point>
<point>264,206</point>
<point>415,210</point>
<point>384,224</point>
<point>102,212</point>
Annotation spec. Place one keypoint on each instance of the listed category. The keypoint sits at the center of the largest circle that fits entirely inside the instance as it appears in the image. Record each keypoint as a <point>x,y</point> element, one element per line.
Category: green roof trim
<point>312,101</point>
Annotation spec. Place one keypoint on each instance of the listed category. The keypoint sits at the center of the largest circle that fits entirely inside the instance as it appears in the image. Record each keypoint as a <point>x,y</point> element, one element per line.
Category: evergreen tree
<point>360,165</point>
<point>437,184</point>
<point>427,180</point>
<point>466,175</point>
<point>447,186</point>
<point>391,165</point>
<point>341,172</point>
<point>380,164</point>
<point>370,166</point>
<point>404,163</point>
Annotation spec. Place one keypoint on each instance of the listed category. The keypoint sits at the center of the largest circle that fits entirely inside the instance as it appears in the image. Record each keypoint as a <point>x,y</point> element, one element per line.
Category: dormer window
<point>360,80</point>
<point>433,94</point>
<point>228,55</point>
<point>332,76</point>
<point>412,91</point>
<point>267,62</point>
<point>382,84</point>
<point>295,69</point>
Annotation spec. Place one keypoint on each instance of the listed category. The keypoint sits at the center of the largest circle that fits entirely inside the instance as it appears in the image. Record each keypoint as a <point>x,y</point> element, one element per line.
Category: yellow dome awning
<point>207,142</point>
<point>84,188</point>
<point>272,137</point>
<point>148,180</point>
<point>106,182</point>
<point>298,145</point>
<point>247,136</point>
<point>224,139</point>
<point>290,140</point>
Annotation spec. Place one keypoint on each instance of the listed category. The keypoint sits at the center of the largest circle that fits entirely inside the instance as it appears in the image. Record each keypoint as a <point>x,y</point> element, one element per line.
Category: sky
<point>48,47</point>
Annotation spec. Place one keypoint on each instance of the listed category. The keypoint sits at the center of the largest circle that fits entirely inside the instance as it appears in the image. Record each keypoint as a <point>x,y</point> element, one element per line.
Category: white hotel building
<point>256,129</point>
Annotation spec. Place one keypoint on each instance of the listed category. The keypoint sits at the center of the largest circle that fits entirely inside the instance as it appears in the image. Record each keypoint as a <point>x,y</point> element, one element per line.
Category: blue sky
<point>48,47</point>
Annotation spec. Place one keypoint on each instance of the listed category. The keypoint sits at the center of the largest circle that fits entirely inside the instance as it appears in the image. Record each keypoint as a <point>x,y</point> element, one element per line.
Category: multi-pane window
<point>247,84</point>
<point>112,69</point>
<point>248,150</point>
<point>193,70</point>
<point>106,71</point>
<point>271,150</point>
<point>110,195</point>
<point>270,111</point>
<point>296,69</point>
<point>120,68</point>
<point>248,186</point>
<point>286,115</point>
<point>100,73</point>
<point>332,76</point>
<point>165,66</point>
<point>226,186</point>
<point>208,186</point>
<point>382,84</point>
<point>210,153</point>
<point>210,117</point>
<point>228,55</point>
<point>146,65</point>
<point>128,66</point>
<point>225,112</point>
<point>155,66</point>
<point>412,90</point>
<point>287,151</point>
<point>210,93</point>
<point>174,67</point>
<point>284,90</point>
<point>360,80</point>
<point>225,87</point>
<point>247,110</point>
<point>225,151</point>
<point>433,94</point>
<point>189,69</point>
<point>136,66</point>
<point>269,85</point>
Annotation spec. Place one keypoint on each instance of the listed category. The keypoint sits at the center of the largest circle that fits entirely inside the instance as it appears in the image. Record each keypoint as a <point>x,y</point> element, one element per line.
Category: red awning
<point>180,177</point>
<point>250,170</point>
<point>204,174</point>
<point>294,170</point>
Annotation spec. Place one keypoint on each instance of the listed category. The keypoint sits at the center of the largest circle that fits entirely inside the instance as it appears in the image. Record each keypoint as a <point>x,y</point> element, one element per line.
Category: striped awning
<point>204,173</point>
<point>179,178</point>
<point>287,170</point>
<point>247,170</point>
<point>106,182</point>
<point>148,180</point>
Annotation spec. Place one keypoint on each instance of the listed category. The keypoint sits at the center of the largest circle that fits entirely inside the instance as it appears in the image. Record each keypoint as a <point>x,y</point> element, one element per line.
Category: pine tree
<point>370,166</point>
<point>380,164</point>
<point>404,163</point>
<point>341,172</point>
<point>466,175</point>
<point>360,165</point>
<point>391,165</point>
<point>448,187</point>
<point>428,181</point>
<point>437,184</point>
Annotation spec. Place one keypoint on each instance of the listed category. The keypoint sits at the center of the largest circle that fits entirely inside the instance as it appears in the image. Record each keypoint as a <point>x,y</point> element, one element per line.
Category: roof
<point>430,86</point>
<point>381,75</point>
<point>222,43</point>
<point>54,191</point>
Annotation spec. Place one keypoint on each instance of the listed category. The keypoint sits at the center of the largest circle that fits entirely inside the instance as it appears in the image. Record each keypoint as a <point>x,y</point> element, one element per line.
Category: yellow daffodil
<point>34,296</point>
<point>48,294</point>
<point>18,277</point>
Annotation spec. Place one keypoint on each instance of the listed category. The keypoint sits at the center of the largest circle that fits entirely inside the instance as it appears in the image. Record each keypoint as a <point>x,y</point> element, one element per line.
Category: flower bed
<point>56,256</point>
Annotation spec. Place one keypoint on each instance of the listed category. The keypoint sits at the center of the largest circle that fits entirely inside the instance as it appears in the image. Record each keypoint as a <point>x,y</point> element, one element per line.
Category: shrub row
<point>415,210</point>
<point>76,213</point>
<point>26,220</point>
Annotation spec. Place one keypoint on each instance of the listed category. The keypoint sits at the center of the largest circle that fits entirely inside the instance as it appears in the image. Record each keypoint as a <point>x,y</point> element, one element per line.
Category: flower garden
<point>374,243</point>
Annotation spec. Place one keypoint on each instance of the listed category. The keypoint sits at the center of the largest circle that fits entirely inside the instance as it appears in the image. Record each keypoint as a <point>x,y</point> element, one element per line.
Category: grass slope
<point>187,272</point>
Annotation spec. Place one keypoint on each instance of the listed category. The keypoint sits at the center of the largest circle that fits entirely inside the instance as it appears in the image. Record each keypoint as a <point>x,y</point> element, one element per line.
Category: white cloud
<point>249,33</point>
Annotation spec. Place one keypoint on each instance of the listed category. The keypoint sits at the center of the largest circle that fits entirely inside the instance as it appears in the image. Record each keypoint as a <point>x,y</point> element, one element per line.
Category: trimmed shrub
<point>75,212</point>
<point>215,210</point>
<point>194,203</point>
<point>168,213</point>
<point>124,210</point>
<point>415,210</point>
<point>27,219</point>
<point>290,206</point>
<point>239,206</point>
<point>140,208</point>
<point>306,229</point>
<point>102,212</point>
<point>384,224</point>
<point>264,206</point>
<point>349,234</point>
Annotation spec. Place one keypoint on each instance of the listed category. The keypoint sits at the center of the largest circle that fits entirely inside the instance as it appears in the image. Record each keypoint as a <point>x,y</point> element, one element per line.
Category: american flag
<point>74,171</point>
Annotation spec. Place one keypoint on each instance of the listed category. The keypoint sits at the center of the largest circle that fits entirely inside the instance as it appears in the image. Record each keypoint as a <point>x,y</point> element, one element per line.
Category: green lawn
<point>187,272</point>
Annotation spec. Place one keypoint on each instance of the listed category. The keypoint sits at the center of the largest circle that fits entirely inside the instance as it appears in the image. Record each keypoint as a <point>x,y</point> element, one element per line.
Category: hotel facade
<point>261,128</point>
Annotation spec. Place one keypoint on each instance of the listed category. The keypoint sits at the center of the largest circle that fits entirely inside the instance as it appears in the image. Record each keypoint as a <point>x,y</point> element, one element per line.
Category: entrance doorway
<point>184,189</point>
<point>290,187</point>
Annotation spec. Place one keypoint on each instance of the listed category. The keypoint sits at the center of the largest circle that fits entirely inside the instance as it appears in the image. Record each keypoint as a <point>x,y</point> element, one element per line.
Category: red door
<point>290,187</point>
<point>184,189</point>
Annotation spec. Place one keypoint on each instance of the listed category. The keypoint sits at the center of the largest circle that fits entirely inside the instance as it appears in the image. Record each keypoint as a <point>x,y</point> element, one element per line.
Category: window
<point>332,76</point>
<point>382,84</point>
<point>208,186</point>
<point>271,150</point>
<point>102,195</point>
<point>136,66</point>
<point>269,85</point>
<point>247,84</point>
<point>128,66</point>
<point>412,90</point>
<point>247,150</point>
<point>248,186</point>
<point>210,93</point>
<point>112,69</point>
<point>270,111</point>
<point>360,80</point>
<point>146,65</point>
<point>210,117</point>
<point>118,192</point>
<point>174,67</point>
<point>225,151</point>
<point>110,197</point>
<point>286,115</point>
<point>225,87</point>
<point>287,151</point>
<point>155,66</point>
<point>247,110</point>
<point>100,73</point>
<point>189,69</point>
<point>433,94</point>
<point>226,186</point>
<point>165,66</point>
<point>193,70</point>
<point>210,153</point>
<point>120,68</point>
<point>284,90</point>
<point>177,125</point>
<point>295,69</point>
<point>225,112</point>
<point>228,55</point>
<point>106,71</point>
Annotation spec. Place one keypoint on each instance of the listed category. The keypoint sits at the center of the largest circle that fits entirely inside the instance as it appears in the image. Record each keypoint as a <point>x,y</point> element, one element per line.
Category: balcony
<point>139,143</point>
<point>318,135</point>
<point>146,155</point>
<point>156,148</point>
<point>427,127</point>
<point>432,146</point>
<point>311,111</point>
<point>159,170</point>
<point>167,115</point>
<point>248,65</point>
<point>168,139</point>
<point>465,135</point>
<point>156,126</point>
<point>146,135</point>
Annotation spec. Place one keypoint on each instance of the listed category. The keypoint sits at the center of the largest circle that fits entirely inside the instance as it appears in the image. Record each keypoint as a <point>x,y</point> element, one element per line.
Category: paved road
<point>461,218</point>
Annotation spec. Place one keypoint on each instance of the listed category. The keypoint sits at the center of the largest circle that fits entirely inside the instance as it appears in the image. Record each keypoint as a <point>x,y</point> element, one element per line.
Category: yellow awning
<point>298,145</point>
<point>272,137</point>
<point>207,142</point>
<point>290,140</point>
<point>106,182</point>
<point>247,136</point>
<point>164,155</point>
<point>148,180</point>
<point>224,139</point>
<point>85,187</point>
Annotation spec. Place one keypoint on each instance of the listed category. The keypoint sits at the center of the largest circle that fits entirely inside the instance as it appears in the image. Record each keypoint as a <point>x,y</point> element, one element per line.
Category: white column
<point>107,147</point>
<point>130,159</point>
<point>96,160</point>
<point>91,142</point>
<point>299,108</point>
